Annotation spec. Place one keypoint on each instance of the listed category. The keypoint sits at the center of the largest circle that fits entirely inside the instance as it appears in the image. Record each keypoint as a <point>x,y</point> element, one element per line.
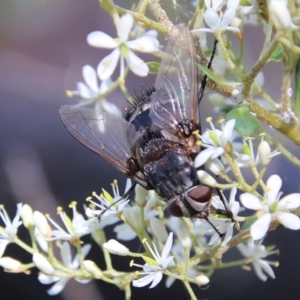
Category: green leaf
<point>246,124</point>
<point>215,78</point>
<point>153,67</point>
<point>277,54</point>
<point>227,108</point>
<point>296,106</point>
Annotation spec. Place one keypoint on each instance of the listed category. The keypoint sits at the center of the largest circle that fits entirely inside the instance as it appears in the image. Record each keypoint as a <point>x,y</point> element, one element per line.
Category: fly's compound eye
<point>201,193</point>
<point>192,202</point>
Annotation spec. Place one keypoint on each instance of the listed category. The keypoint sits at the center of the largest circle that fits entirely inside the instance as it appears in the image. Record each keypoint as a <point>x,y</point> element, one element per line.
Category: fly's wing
<point>102,133</point>
<point>176,88</point>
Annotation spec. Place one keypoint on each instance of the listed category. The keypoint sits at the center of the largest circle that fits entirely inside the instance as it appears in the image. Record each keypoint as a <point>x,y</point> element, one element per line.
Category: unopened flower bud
<point>140,195</point>
<point>205,178</point>
<point>92,268</point>
<point>280,14</point>
<point>201,280</point>
<point>27,216</point>
<point>10,264</point>
<point>42,263</point>
<point>114,247</point>
<point>159,229</point>
<point>183,235</point>
<point>264,151</point>
<point>215,166</point>
<point>41,223</point>
<point>41,240</point>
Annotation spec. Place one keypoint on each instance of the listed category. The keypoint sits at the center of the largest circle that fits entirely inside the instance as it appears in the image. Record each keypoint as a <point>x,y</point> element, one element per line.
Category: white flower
<point>108,207</point>
<point>8,233</point>
<point>257,251</point>
<point>215,141</point>
<point>218,22</point>
<point>154,272</point>
<point>133,215</point>
<point>225,225</point>
<point>66,256</point>
<point>90,90</point>
<point>248,159</point>
<point>158,229</point>
<point>122,48</point>
<point>76,228</point>
<point>272,208</point>
<point>181,230</point>
<point>280,14</point>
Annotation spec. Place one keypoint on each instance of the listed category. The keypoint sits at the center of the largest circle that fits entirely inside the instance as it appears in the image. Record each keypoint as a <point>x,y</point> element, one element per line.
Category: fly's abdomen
<point>171,174</point>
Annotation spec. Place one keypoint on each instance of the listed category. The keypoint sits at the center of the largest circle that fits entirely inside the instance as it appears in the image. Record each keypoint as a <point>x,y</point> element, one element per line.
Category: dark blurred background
<point>42,50</point>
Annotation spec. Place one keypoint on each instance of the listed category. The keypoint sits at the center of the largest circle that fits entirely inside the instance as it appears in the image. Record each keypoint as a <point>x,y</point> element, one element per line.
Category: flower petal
<point>274,184</point>
<point>114,110</point>
<point>289,220</point>
<point>108,64</point>
<point>84,91</point>
<point>46,279</point>
<point>203,156</point>
<point>57,287</point>
<point>167,247</point>
<point>227,18</point>
<point>124,27</point>
<point>3,245</point>
<point>144,44</point>
<point>136,65</point>
<point>267,268</point>
<point>258,271</point>
<point>65,253</point>
<point>227,131</point>
<point>260,227</point>
<point>228,235</point>
<point>251,202</point>
<point>244,249</point>
<point>90,77</point>
<point>156,280</point>
<point>124,232</point>
<point>144,280</point>
<point>101,40</point>
<point>218,152</point>
<point>291,201</point>
<point>212,19</point>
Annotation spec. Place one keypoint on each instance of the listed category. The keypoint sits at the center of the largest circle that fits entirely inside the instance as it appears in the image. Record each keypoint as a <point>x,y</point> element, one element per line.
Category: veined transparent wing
<point>104,134</point>
<point>175,99</point>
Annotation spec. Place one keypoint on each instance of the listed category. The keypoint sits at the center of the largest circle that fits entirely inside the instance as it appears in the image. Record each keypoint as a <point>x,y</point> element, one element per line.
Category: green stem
<point>290,130</point>
<point>190,290</point>
<point>224,49</point>
<point>23,245</point>
<point>261,62</point>
<point>292,158</point>
<point>79,252</point>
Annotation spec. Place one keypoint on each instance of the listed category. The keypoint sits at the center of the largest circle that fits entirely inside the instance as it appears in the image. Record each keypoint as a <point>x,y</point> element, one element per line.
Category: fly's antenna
<point>204,81</point>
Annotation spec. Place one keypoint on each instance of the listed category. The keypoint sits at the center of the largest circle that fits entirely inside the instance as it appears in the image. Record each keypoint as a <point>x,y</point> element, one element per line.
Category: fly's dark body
<point>154,143</point>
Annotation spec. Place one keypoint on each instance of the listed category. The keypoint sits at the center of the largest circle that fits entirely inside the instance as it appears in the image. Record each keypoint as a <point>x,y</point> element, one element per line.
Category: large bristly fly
<point>154,142</point>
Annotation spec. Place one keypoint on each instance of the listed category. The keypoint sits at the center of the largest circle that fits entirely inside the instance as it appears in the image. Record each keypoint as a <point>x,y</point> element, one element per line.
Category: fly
<point>154,142</point>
